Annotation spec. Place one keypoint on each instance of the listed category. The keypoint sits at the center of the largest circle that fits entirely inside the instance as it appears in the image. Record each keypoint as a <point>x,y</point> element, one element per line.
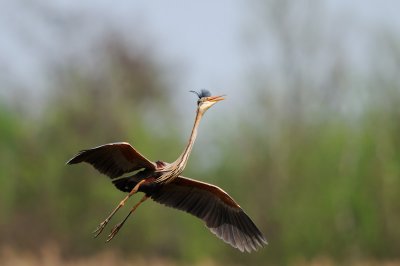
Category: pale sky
<point>203,39</point>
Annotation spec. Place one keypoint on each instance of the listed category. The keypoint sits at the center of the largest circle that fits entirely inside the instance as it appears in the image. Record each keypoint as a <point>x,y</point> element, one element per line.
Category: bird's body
<point>131,172</point>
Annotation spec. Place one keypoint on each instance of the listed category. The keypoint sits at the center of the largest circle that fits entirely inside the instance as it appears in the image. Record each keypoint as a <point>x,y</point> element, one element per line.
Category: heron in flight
<point>131,172</point>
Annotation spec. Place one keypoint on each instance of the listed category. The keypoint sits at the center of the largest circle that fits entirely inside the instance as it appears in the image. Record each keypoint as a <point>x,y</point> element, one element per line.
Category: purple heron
<point>163,183</point>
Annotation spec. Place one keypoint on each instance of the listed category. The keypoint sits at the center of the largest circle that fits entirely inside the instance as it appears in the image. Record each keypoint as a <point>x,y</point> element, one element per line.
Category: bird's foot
<point>100,228</point>
<point>114,231</point>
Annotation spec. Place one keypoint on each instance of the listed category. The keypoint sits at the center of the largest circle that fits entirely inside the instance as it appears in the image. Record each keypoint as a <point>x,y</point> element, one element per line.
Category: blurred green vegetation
<point>318,181</point>
<point>327,185</point>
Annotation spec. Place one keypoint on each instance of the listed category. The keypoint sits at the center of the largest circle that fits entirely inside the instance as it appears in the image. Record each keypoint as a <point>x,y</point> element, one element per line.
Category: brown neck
<point>183,158</point>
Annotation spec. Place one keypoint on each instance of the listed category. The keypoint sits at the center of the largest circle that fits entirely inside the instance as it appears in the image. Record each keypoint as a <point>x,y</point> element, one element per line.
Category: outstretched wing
<point>113,159</point>
<point>222,215</point>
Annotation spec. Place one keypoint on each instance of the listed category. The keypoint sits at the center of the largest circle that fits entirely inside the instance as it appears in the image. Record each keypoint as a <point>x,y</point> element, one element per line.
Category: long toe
<point>114,231</point>
<point>100,228</point>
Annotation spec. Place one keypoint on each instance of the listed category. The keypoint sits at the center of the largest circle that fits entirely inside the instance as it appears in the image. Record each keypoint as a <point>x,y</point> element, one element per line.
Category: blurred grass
<point>50,255</point>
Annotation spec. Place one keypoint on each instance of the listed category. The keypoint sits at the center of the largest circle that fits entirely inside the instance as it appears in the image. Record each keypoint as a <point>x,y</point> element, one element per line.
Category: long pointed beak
<point>216,98</point>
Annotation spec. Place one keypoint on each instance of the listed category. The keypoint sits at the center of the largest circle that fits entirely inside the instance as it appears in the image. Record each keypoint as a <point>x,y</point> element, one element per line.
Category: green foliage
<point>327,187</point>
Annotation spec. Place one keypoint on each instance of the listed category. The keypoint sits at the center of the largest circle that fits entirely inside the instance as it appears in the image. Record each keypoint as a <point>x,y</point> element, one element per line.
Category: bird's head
<point>206,100</point>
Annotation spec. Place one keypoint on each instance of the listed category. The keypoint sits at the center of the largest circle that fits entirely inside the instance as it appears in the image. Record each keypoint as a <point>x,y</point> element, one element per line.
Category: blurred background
<point>307,141</point>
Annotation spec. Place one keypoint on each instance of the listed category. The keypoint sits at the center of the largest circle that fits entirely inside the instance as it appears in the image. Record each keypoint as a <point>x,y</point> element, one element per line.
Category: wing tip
<point>248,244</point>
<point>259,243</point>
<point>76,159</point>
<point>71,161</point>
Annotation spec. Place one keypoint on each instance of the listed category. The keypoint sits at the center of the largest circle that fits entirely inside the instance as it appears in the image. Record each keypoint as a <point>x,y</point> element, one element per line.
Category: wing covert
<point>113,159</point>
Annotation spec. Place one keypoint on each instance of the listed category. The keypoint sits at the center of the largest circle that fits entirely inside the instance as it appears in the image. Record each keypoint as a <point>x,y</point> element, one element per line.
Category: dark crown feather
<point>202,93</point>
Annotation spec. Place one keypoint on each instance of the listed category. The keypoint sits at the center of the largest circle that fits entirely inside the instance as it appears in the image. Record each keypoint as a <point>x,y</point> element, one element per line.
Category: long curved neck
<point>183,158</point>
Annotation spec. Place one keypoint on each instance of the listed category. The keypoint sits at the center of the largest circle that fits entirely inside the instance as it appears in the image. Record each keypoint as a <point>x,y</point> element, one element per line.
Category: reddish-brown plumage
<point>162,182</point>
<point>208,187</point>
<point>222,215</point>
